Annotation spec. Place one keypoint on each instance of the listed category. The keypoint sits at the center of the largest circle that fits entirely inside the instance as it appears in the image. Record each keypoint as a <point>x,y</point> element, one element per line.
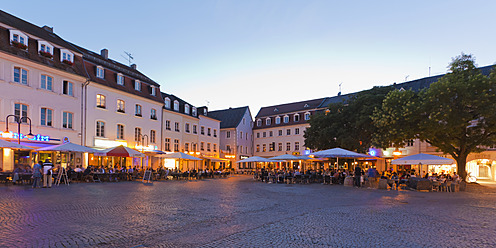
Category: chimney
<point>134,66</point>
<point>104,53</point>
<point>47,28</point>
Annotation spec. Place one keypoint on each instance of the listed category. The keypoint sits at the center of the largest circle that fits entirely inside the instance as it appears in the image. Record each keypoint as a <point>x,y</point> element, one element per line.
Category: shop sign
<point>243,157</point>
<point>109,143</point>
<point>37,137</point>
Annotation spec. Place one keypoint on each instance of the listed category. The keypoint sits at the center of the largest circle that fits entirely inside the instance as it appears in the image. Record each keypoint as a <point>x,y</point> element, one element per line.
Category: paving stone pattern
<point>238,212</point>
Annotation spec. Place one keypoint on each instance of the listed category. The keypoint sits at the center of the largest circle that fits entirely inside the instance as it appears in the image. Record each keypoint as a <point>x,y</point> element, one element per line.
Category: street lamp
<point>141,139</point>
<point>18,120</point>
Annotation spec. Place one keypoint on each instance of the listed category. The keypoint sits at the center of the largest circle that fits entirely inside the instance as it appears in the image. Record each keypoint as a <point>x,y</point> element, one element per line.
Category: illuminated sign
<point>243,157</point>
<point>145,148</point>
<point>307,152</point>
<point>109,143</point>
<point>37,137</point>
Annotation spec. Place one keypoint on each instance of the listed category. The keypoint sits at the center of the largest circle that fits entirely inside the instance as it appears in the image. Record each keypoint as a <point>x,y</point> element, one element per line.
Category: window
<point>19,37</point>
<point>272,146</point>
<point>215,147</point>
<point>194,129</point>
<point>202,130</point>
<point>186,147</point>
<point>45,48</point>
<point>167,103</point>
<point>208,147</point>
<point>193,110</point>
<point>307,116</point>
<point>278,120</point>
<point>154,91</point>
<point>67,88</point>
<point>258,148</point>
<point>264,147</point>
<point>215,133</point>
<point>167,125</point>
<point>137,134</point>
<point>120,131</point>
<point>297,131</point>
<point>297,146</point>
<point>153,114</point>
<point>288,131</point>
<point>264,134</point>
<point>67,120</point>
<point>46,117</point>
<point>20,75</point>
<point>279,147</point>
<point>268,121</point>
<point>66,55</point>
<point>100,129</point>
<point>202,146</point>
<point>152,136</point>
<point>410,143</point>
<point>186,109</point>
<point>137,110</point>
<point>46,82</point>
<point>121,106</point>
<point>167,145</point>
<point>209,131</point>
<point>100,72</point>
<point>296,118</point>
<point>137,85</point>
<point>228,134</point>
<point>244,120</point>
<point>259,122</point>
<point>280,132</point>
<point>240,135</point>
<point>286,119</point>
<point>270,133</point>
<point>176,105</point>
<point>176,145</point>
<point>288,146</point>
<point>186,127</point>
<point>21,111</point>
<point>100,101</point>
<point>176,126</point>
<point>258,135</point>
<point>120,79</point>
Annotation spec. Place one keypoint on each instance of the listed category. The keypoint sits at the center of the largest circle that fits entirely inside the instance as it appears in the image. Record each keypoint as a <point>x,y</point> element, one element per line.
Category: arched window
<point>259,122</point>
<point>167,103</point>
<point>186,109</point>
<point>286,119</point>
<point>176,105</point>
<point>278,120</point>
<point>296,118</point>
<point>268,121</point>
<point>307,116</point>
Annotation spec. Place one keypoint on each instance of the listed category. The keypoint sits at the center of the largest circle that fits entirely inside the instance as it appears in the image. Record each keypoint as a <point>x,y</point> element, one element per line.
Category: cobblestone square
<point>238,212</point>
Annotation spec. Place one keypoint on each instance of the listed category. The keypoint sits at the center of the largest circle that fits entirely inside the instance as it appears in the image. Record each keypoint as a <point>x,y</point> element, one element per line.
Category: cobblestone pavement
<point>238,212</point>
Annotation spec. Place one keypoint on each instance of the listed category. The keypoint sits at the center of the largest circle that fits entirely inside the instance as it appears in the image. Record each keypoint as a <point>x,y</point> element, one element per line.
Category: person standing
<point>37,175</point>
<point>358,176</point>
<point>47,174</point>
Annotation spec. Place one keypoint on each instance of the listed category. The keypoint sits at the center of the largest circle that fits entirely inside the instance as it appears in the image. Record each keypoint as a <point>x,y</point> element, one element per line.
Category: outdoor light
<point>397,152</point>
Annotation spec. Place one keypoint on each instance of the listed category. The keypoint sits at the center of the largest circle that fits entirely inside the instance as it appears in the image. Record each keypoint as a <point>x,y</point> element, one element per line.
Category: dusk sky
<point>261,53</point>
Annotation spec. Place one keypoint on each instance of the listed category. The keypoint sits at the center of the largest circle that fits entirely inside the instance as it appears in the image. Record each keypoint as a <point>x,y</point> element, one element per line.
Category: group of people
<point>45,170</point>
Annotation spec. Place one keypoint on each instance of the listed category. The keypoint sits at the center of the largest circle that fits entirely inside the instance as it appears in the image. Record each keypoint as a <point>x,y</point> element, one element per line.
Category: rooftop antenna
<point>406,78</point>
<point>129,57</point>
<point>339,93</point>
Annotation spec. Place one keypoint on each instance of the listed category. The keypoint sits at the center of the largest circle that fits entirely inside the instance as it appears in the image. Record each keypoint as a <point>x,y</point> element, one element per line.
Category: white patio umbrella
<point>285,157</point>
<point>179,156</point>
<point>423,159</point>
<point>339,153</point>
<point>68,147</point>
<point>255,159</point>
<point>7,144</point>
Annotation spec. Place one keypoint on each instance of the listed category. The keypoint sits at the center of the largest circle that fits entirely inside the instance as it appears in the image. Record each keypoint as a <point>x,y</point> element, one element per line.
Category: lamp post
<point>18,120</point>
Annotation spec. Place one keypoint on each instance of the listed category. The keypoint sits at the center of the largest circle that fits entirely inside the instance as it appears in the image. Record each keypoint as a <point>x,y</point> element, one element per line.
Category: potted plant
<point>46,54</point>
<point>67,62</point>
<point>19,45</point>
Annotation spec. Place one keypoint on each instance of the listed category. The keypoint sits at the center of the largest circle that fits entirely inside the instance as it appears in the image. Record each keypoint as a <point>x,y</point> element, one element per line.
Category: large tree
<point>456,114</point>
<point>346,124</point>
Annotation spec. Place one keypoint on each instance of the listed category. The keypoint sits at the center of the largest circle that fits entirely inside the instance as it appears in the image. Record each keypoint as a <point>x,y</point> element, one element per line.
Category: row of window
<point>21,76</point>
<point>138,136</point>
<point>100,73</point>
<point>240,149</point>
<point>44,48</point>
<point>228,135</point>
<point>101,102</point>
<point>46,116</point>
<point>272,147</point>
<point>296,118</point>
<point>280,133</point>
<point>187,128</point>
<point>187,146</point>
<point>167,103</point>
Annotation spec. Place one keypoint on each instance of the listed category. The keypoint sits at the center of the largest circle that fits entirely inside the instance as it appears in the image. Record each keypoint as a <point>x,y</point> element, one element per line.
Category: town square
<point>247,124</point>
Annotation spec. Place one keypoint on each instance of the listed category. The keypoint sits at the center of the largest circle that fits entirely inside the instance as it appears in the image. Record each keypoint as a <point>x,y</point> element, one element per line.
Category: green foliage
<point>346,124</point>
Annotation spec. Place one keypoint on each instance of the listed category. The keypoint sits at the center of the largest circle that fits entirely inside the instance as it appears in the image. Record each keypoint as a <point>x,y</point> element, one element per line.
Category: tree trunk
<point>461,164</point>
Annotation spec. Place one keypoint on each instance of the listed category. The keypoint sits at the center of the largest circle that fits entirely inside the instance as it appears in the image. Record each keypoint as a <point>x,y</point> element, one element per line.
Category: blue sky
<point>261,53</point>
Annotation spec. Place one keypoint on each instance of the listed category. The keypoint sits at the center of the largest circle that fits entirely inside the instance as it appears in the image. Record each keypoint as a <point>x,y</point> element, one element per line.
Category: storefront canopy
<point>422,158</point>
<point>179,155</point>
<point>285,157</point>
<point>255,159</point>
<point>339,153</point>
<point>7,144</point>
<point>68,147</point>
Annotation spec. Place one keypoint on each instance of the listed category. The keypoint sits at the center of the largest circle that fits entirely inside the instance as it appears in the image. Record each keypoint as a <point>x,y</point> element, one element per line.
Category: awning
<point>212,159</point>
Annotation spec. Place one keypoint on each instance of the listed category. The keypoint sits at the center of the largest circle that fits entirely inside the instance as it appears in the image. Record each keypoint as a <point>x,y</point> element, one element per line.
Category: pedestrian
<point>47,173</point>
<point>37,175</point>
<point>358,175</point>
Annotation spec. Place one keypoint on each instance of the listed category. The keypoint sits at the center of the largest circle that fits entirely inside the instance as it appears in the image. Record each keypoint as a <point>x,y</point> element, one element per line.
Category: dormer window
<point>153,90</point>
<point>18,39</point>
<point>276,110</point>
<point>176,105</point>
<point>296,118</point>
<point>120,79</point>
<point>306,106</point>
<point>259,122</point>
<point>45,49</point>
<point>137,85</point>
<point>268,121</point>
<point>186,109</point>
<point>100,72</point>
<point>278,120</point>
<point>67,57</point>
<point>307,116</point>
<point>167,103</point>
<point>193,111</point>
<point>286,119</point>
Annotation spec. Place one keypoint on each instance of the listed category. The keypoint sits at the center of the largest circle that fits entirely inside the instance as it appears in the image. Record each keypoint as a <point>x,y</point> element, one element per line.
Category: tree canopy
<point>456,114</point>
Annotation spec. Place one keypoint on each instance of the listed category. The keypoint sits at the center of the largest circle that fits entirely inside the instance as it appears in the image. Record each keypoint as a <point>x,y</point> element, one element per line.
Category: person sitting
<point>394,181</point>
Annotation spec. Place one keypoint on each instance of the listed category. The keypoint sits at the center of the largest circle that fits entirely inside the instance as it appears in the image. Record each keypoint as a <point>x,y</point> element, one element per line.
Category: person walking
<point>37,175</point>
<point>47,173</point>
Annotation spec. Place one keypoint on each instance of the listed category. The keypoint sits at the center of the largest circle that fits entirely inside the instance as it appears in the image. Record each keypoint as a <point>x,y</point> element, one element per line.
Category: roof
<point>230,118</point>
<point>290,107</point>
<point>182,103</point>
